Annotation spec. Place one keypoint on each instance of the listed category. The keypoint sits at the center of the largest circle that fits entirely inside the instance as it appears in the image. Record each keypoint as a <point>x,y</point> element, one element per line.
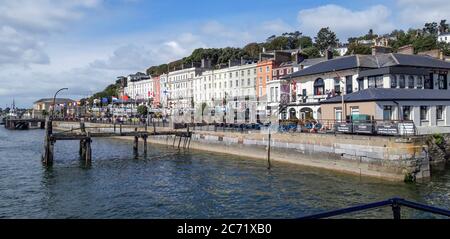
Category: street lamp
<point>54,100</point>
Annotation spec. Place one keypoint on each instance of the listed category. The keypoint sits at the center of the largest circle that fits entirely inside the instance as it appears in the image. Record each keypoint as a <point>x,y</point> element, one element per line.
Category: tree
<point>304,42</point>
<point>142,110</point>
<point>355,48</point>
<point>252,50</point>
<point>325,38</point>
<point>431,28</point>
<point>443,26</point>
<point>311,52</point>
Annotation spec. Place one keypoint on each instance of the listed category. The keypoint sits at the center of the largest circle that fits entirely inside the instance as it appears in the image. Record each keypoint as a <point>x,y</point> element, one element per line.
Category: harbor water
<point>174,184</point>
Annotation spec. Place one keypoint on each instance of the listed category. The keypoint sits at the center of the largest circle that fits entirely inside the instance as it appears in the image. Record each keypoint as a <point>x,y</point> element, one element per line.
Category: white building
<point>181,87</point>
<point>356,73</point>
<point>139,87</point>
<point>444,37</point>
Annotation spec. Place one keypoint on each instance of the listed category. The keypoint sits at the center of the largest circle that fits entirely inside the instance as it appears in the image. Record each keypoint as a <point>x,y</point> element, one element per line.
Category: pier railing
<point>395,203</point>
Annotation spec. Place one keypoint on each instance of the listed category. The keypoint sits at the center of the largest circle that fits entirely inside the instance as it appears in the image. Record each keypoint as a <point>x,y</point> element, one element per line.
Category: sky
<point>84,45</point>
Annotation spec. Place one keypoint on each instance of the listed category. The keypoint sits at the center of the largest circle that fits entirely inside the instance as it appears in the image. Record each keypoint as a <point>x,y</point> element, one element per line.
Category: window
<point>260,80</point>
<point>428,83</point>
<point>337,85</point>
<point>237,74</point>
<point>338,114</point>
<point>411,82</point>
<point>242,73</point>
<point>349,84</point>
<point>387,112</point>
<point>442,80</point>
<point>267,69</point>
<point>360,83</point>
<point>319,87</point>
<point>271,94</point>
<point>248,82</point>
<point>375,81</point>
<point>424,113</point>
<point>440,112</point>
<point>354,110</point>
<point>419,82</point>
<point>401,81</point>
<point>407,113</point>
<point>260,69</point>
<point>267,79</point>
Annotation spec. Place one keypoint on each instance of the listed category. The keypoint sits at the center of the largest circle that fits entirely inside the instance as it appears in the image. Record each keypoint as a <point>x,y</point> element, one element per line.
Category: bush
<point>438,139</point>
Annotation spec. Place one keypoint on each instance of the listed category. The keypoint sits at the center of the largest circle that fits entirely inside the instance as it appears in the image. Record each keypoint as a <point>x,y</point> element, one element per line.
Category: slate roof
<point>387,94</point>
<point>371,62</point>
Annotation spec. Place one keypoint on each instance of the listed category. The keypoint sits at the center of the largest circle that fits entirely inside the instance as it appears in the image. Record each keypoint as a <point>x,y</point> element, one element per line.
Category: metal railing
<point>395,203</point>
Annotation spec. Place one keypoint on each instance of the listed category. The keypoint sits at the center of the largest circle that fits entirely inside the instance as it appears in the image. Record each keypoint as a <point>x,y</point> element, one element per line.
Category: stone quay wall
<point>390,158</point>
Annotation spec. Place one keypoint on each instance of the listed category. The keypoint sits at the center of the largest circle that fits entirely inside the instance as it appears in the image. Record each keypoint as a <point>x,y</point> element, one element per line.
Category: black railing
<point>394,203</point>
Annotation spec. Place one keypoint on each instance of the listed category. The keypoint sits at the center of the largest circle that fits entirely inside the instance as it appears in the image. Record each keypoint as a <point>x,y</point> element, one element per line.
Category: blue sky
<point>86,44</point>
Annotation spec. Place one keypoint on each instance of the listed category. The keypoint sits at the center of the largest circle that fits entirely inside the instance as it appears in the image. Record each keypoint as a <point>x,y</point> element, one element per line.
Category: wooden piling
<point>268,150</point>
<point>145,144</point>
<point>136,143</point>
<point>88,148</point>
<point>47,157</point>
<point>179,142</point>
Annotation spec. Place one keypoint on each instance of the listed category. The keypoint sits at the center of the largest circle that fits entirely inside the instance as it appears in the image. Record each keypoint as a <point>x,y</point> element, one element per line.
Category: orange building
<point>263,76</point>
<point>264,71</point>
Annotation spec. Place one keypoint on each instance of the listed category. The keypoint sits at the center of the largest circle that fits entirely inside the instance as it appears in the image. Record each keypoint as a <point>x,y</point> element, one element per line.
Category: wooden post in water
<point>47,156</point>
<point>82,150</point>
<point>82,127</point>
<point>88,148</point>
<point>268,150</point>
<point>145,144</point>
<point>136,144</point>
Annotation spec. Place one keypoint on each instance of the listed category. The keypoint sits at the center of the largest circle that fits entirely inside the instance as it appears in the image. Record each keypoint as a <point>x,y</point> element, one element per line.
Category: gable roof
<point>387,94</point>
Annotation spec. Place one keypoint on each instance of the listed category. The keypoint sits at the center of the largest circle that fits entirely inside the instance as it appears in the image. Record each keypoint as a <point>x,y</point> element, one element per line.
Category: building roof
<point>387,94</point>
<point>371,62</point>
<point>57,100</point>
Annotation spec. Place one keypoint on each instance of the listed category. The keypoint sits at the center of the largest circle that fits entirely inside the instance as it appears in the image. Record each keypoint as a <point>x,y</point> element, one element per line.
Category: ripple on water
<point>174,184</point>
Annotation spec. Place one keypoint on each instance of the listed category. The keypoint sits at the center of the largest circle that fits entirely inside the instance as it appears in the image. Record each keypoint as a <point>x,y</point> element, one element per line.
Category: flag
<point>105,100</point>
<point>114,99</point>
<point>125,97</point>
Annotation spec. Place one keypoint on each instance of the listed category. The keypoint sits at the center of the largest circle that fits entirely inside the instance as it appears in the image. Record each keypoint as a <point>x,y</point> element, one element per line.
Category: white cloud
<point>414,13</point>
<point>345,22</point>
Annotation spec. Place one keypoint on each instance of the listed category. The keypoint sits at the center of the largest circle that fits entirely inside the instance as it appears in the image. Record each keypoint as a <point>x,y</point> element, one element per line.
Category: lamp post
<point>54,100</point>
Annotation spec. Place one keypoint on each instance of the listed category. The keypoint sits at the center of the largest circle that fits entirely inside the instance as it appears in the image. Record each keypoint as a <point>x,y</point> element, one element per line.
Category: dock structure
<point>85,135</point>
<point>24,124</point>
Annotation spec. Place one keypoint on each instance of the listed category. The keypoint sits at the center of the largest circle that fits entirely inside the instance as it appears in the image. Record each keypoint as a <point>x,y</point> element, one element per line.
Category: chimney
<point>380,50</point>
<point>229,63</point>
<point>299,58</point>
<point>242,61</point>
<point>329,54</point>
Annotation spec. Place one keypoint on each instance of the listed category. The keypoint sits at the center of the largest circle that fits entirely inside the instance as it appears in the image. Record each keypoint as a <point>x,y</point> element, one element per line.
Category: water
<point>173,184</point>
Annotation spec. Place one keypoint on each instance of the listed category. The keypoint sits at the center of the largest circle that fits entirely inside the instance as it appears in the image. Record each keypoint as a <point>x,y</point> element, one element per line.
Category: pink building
<point>156,91</point>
